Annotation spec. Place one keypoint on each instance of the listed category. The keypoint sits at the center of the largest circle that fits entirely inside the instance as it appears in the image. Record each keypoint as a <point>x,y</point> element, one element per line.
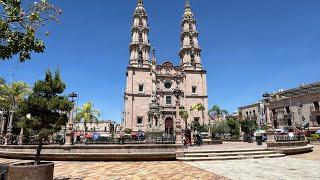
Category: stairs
<point>220,155</point>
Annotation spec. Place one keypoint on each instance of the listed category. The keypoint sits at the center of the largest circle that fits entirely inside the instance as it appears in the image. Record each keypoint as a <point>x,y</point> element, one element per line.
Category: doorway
<point>318,120</point>
<point>169,126</point>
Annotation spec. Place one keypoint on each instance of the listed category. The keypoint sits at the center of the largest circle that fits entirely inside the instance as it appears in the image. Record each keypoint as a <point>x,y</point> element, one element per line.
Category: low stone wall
<point>290,147</point>
<point>286,144</point>
<point>146,152</point>
<point>295,150</point>
<point>315,142</point>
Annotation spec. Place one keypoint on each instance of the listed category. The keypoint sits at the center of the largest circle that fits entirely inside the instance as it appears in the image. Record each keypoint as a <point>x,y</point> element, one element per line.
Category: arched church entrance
<point>169,125</point>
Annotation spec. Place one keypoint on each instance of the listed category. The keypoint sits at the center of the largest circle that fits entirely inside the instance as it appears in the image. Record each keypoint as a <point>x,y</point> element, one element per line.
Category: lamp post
<point>69,126</point>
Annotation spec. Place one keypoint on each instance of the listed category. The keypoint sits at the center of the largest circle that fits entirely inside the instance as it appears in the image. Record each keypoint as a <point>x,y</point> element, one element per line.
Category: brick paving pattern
<point>126,170</point>
<point>303,166</point>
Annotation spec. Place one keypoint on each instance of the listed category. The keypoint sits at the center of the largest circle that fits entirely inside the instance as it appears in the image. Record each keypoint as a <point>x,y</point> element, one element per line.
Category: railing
<point>141,140</point>
<point>283,138</point>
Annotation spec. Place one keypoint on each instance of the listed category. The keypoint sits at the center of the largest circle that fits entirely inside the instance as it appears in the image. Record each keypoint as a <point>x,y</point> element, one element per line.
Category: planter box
<point>29,171</point>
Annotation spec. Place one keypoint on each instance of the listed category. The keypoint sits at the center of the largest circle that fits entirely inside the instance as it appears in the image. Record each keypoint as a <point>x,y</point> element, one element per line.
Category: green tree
<point>199,107</point>
<point>11,95</point>
<point>196,126</point>
<point>216,110</point>
<point>47,109</point>
<point>248,126</point>
<point>87,114</point>
<point>128,131</point>
<point>2,81</point>
<point>19,27</point>
<point>220,128</point>
<point>234,127</point>
<point>184,115</point>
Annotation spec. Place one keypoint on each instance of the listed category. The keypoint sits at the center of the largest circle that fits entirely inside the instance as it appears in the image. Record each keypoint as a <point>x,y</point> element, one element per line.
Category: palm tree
<point>87,114</point>
<point>199,107</point>
<point>184,115</point>
<point>216,110</point>
<point>11,96</point>
<point>2,81</point>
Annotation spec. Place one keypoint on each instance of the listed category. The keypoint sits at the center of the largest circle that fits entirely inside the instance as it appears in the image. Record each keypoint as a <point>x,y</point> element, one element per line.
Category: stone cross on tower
<point>190,49</point>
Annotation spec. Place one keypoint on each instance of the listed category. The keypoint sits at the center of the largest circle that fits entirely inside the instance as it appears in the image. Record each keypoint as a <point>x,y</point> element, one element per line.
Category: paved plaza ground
<point>304,166</point>
<point>228,146</point>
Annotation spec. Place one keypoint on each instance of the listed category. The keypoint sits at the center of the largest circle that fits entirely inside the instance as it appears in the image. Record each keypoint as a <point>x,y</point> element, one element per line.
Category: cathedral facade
<point>156,93</point>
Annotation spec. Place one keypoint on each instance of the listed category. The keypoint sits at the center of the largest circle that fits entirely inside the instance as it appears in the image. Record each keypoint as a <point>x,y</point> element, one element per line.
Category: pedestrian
<point>184,141</point>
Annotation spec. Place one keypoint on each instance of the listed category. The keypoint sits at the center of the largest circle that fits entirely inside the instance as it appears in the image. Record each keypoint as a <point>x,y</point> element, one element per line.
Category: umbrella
<point>88,135</point>
<point>318,132</point>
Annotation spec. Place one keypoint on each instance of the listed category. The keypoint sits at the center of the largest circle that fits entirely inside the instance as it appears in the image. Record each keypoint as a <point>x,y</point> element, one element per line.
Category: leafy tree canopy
<point>196,126</point>
<point>217,111</point>
<point>234,127</point>
<point>220,128</point>
<point>12,94</point>
<point>127,131</point>
<point>19,27</point>
<point>87,114</point>
<point>46,108</point>
<point>249,126</point>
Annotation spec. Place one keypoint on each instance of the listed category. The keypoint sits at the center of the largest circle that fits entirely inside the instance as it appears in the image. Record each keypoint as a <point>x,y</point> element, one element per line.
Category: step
<point>222,158</point>
<point>222,151</point>
<point>228,154</point>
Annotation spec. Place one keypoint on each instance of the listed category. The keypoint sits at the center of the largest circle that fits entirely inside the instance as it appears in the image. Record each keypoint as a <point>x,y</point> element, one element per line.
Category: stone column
<point>270,136</point>
<point>20,142</point>
<point>178,125</point>
<point>68,139</point>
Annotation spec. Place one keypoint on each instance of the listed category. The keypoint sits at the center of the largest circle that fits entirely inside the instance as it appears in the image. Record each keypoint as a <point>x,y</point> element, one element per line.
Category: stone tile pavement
<point>314,155</point>
<point>261,169</point>
<point>127,170</point>
<point>228,146</point>
<point>303,166</point>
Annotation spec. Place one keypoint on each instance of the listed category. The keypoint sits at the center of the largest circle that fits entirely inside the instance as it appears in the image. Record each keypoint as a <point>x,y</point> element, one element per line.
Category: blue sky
<point>248,47</point>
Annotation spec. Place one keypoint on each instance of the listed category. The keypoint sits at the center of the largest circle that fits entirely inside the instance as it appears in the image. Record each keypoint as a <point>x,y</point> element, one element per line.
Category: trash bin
<point>259,140</point>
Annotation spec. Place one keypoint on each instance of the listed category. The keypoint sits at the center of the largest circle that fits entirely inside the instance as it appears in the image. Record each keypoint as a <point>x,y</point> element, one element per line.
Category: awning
<point>261,131</point>
<point>105,135</point>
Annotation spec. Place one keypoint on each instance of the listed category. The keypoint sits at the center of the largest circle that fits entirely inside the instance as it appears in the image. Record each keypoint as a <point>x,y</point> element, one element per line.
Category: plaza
<point>86,121</point>
<point>304,166</point>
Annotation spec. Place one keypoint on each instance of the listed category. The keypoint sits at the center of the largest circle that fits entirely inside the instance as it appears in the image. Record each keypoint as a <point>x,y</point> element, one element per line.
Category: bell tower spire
<point>190,50</point>
<point>140,46</point>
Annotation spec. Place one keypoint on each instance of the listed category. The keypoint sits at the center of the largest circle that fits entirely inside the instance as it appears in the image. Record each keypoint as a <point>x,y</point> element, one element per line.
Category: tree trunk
<point>10,122</point>
<point>186,124</point>
<point>38,152</point>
